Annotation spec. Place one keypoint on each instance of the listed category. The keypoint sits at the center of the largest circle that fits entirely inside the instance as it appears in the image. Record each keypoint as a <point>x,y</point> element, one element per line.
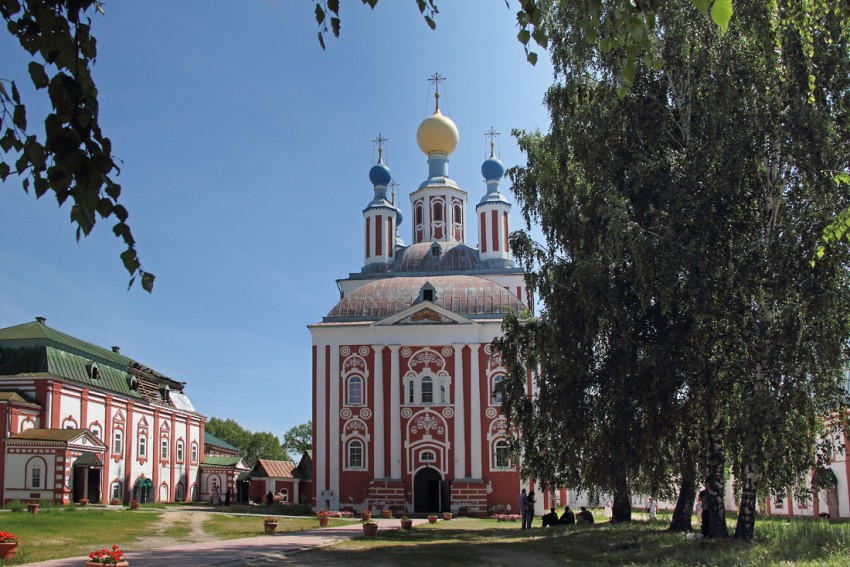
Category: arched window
<point>284,495</point>
<point>179,495</point>
<point>194,452</point>
<point>418,214</point>
<point>143,446</point>
<point>95,429</point>
<point>458,213</point>
<point>163,448</point>
<point>179,450</point>
<point>117,441</point>
<point>438,212</point>
<point>495,395</point>
<point>35,474</point>
<point>427,457</point>
<point>502,457</point>
<point>116,490</point>
<point>355,454</point>
<point>427,390</point>
<point>355,391</point>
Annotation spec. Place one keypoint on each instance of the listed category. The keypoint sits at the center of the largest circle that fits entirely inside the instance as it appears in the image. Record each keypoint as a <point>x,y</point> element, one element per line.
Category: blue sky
<point>245,153</point>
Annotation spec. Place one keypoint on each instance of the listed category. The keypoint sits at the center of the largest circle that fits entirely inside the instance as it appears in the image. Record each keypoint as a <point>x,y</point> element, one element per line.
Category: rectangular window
<point>163,452</point>
<point>36,476</point>
<point>116,490</point>
<point>355,456</point>
<point>117,444</point>
<point>180,451</point>
<point>194,452</point>
<point>143,446</point>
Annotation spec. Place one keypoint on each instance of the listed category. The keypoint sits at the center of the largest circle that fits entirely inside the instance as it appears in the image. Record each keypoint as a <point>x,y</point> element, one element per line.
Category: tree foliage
<point>74,160</point>
<point>681,314</point>
<point>298,439</point>
<point>252,446</point>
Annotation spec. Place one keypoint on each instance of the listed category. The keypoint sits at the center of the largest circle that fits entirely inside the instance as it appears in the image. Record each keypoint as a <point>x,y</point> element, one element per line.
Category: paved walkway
<point>236,552</point>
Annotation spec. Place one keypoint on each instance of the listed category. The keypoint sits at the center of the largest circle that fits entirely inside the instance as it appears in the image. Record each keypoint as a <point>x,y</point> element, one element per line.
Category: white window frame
<point>117,441</point>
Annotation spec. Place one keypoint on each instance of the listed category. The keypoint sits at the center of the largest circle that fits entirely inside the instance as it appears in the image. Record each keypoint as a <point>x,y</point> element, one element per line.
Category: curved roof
<point>469,296</point>
<point>453,257</point>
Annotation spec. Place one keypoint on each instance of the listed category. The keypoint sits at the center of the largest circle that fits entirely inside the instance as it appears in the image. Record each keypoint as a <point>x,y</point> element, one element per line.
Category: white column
<point>333,415</point>
<point>321,426</point>
<point>475,413</point>
<point>378,436</point>
<point>460,415</point>
<point>395,415</point>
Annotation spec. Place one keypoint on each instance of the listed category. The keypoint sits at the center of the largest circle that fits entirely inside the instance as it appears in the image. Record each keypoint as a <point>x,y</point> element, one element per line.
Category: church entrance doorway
<point>427,487</point>
<point>87,478</point>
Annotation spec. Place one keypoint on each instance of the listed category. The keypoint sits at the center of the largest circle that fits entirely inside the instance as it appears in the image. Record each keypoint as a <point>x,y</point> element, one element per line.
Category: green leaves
<point>39,77</point>
<point>721,13</point>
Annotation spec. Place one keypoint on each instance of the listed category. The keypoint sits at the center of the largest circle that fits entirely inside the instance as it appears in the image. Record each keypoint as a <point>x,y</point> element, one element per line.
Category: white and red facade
<point>91,423</point>
<point>404,410</point>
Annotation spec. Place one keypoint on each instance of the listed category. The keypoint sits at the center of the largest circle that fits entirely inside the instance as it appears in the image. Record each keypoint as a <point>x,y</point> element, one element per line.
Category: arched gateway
<point>427,491</point>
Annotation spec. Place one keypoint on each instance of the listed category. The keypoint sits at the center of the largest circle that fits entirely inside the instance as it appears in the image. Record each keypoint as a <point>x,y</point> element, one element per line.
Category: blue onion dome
<point>492,169</point>
<point>398,216</point>
<point>380,175</point>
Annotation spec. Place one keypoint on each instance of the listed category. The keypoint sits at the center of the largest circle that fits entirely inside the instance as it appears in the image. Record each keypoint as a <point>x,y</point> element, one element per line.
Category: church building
<point>404,409</point>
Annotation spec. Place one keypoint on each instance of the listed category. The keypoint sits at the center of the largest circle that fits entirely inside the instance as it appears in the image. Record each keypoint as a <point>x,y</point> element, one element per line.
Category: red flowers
<point>107,557</point>
<point>6,537</point>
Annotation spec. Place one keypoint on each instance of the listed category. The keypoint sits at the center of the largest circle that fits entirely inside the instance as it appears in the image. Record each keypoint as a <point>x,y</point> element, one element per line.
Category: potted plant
<point>366,515</point>
<point>370,529</point>
<point>84,501</point>
<point>134,504</point>
<point>386,513</point>
<point>270,525</point>
<point>432,519</point>
<point>32,507</point>
<point>406,523</point>
<point>324,517</point>
<point>447,515</point>
<point>113,556</point>
<point>8,545</point>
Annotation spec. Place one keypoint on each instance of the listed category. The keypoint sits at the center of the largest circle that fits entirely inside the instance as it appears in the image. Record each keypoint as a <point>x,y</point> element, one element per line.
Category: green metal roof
<point>210,439</point>
<point>35,332</point>
<point>221,461</point>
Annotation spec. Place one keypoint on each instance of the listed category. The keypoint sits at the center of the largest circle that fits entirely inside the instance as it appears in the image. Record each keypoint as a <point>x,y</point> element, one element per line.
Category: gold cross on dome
<point>492,135</point>
<point>380,141</point>
<point>393,185</point>
<point>436,78</point>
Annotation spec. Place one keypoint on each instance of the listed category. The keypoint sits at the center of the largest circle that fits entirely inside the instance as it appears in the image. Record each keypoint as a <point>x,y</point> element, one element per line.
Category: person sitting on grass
<point>550,519</point>
<point>567,518</point>
<point>585,517</point>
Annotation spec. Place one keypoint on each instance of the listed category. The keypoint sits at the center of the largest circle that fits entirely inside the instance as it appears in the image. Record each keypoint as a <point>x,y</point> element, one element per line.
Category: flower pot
<point>134,505</point>
<point>96,564</point>
<point>387,514</point>
<point>370,530</point>
<point>406,524</point>
<point>84,501</point>
<point>432,519</point>
<point>270,527</point>
<point>365,516</point>
<point>323,522</point>
<point>447,515</point>
<point>32,508</point>
<point>8,550</point>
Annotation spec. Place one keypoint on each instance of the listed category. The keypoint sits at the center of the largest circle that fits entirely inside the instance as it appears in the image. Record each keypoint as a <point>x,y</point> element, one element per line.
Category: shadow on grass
<point>635,544</point>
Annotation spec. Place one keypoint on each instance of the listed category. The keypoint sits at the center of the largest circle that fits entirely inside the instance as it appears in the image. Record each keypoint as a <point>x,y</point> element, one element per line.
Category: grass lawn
<point>71,531</point>
<point>466,541</point>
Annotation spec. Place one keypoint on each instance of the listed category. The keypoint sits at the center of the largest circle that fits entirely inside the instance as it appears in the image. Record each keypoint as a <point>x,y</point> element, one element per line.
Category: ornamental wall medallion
<point>491,413</point>
<point>365,413</point>
<point>345,413</point>
<point>353,363</point>
<point>448,351</point>
<point>405,352</point>
<point>364,351</point>
<point>448,413</point>
<point>355,426</point>
<point>406,413</point>
<point>426,423</point>
<point>488,348</point>
<point>344,351</point>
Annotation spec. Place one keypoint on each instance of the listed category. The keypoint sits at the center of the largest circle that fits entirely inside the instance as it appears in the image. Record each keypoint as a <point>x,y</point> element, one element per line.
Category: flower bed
<point>506,517</point>
<point>112,556</point>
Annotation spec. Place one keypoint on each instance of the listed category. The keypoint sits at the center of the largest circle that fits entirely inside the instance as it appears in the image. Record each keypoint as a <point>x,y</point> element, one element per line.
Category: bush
<point>16,506</point>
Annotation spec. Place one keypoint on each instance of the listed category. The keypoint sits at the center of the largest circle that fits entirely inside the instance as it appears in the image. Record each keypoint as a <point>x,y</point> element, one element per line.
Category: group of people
<point>216,496</point>
<point>526,510</point>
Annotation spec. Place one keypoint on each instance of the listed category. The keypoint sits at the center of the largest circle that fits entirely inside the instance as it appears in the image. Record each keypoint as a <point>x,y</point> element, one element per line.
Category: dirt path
<point>176,527</point>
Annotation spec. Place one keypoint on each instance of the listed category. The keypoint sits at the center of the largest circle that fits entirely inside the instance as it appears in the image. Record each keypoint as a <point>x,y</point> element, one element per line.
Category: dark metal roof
<point>449,257</point>
<point>468,296</point>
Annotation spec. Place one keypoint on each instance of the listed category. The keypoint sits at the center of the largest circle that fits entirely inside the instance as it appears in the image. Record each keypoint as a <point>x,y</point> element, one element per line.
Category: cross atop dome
<point>436,78</point>
<point>380,141</point>
<point>492,135</point>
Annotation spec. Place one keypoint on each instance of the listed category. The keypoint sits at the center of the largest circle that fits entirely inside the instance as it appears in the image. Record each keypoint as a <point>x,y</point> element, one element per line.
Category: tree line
<point>254,446</point>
